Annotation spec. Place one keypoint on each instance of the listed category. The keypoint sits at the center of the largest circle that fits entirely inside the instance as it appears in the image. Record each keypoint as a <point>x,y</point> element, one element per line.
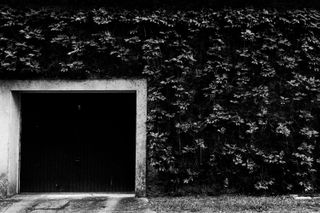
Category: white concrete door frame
<point>10,121</point>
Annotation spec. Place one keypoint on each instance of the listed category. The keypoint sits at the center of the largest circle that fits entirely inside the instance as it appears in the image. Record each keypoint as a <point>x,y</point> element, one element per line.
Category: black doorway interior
<point>78,142</point>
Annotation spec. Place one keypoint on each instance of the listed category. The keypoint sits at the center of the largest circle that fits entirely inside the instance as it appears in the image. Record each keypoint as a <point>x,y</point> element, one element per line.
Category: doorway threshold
<point>72,195</point>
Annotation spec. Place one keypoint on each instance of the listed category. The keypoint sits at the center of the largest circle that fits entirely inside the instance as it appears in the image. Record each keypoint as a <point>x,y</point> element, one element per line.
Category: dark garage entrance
<point>78,142</point>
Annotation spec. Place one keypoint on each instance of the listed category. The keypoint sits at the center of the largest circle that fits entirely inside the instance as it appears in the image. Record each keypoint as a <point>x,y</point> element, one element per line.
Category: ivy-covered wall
<point>131,4</point>
<point>233,95</point>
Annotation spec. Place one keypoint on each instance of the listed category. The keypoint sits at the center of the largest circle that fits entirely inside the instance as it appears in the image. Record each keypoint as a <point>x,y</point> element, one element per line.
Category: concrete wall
<point>10,122</point>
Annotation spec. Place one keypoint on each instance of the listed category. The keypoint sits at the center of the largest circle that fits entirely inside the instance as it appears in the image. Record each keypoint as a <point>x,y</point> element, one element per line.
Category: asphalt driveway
<point>84,202</point>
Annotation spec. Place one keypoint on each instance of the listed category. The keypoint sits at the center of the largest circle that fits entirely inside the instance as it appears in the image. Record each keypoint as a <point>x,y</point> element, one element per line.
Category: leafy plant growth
<point>233,95</point>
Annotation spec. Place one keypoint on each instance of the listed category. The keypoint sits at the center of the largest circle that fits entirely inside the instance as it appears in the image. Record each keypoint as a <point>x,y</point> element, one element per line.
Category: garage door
<point>78,142</point>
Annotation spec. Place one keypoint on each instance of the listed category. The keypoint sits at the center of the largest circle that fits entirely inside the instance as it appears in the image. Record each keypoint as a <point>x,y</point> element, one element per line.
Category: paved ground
<point>61,203</point>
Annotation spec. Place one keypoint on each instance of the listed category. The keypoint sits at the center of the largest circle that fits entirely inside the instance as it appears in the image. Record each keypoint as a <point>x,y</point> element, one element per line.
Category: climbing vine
<point>233,95</point>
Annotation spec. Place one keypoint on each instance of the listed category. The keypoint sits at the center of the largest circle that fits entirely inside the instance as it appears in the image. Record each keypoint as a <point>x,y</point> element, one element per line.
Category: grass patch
<point>233,203</point>
<point>131,204</point>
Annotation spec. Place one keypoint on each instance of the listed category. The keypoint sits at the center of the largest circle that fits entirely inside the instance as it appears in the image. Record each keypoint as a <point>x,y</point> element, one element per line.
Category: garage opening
<point>78,142</point>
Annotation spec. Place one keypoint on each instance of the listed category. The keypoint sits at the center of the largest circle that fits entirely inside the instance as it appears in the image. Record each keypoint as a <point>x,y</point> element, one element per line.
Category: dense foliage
<point>280,4</point>
<point>233,95</point>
